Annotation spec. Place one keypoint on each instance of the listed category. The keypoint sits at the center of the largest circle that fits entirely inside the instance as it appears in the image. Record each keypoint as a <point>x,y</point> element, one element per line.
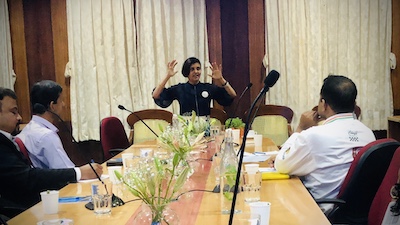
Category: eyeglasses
<point>395,191</point>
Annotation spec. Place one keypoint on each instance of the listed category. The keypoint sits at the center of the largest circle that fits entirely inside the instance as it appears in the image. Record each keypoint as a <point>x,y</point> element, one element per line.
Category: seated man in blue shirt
<point>40,135</point>
<point>21,184</point>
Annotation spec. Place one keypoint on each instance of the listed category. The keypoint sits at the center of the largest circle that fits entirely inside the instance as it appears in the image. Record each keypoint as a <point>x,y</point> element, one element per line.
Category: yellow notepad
<point>274,176</point>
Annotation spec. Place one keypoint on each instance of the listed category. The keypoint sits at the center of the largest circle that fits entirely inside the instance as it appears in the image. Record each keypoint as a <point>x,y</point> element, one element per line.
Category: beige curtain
<point>306,40</point>
<point>102,63</point>
<point>118,57</point>
<point>7,77</point>
<point>167,30</point>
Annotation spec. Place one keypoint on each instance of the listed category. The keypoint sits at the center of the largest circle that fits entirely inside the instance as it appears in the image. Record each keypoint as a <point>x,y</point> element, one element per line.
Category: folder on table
<point>272,174</point>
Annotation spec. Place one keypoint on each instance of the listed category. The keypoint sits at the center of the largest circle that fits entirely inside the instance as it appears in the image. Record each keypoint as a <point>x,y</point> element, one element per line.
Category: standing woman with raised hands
<point>194,95</point>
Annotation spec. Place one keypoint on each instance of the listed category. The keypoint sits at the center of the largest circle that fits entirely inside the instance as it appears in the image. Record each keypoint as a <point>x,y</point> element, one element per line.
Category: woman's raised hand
<point>216,71</point>
<point>171,68</point>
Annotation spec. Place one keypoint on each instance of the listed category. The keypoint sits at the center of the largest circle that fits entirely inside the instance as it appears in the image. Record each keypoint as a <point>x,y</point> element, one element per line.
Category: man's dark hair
<point>187,64</point>
<point>340,93</point>
<point>6,92</point>
<point>42,94</point>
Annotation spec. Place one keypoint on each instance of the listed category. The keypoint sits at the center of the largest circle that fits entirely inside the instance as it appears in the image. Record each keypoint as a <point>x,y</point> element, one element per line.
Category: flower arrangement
<point>197,124</point>
<point>157,181</point>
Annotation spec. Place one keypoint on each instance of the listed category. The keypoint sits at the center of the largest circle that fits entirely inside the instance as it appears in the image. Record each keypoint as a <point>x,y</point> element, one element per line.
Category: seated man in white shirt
<point>40,135</point>
<point>321,155</point>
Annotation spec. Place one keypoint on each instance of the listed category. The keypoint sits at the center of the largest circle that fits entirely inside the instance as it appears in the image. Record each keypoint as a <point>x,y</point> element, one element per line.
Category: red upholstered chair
<point>113,137</point>
<point>361,183</point>
<point>23,149</point>
<point>382,197</point>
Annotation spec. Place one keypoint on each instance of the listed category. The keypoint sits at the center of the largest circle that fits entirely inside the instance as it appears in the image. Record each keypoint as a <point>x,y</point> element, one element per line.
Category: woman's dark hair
<point>187,64</point>
<point>42,94</point>
<point>339,93</point>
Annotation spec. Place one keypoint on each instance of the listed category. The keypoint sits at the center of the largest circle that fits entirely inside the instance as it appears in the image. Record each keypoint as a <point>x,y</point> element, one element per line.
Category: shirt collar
<point>44,122</point>
<point>340,116</point>
<point>8,135</point>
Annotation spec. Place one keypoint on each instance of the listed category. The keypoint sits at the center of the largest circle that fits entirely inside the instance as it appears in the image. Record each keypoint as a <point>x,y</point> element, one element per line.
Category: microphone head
<point>121,107</point>
<point>249,85</point>
<point>271,79</point>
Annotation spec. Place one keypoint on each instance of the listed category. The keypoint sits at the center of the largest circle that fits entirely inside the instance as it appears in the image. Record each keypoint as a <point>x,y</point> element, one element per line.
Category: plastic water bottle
<point>228,172</point>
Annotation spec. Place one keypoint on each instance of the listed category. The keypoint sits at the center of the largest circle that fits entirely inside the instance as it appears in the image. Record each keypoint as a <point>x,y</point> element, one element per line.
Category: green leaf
<point>236,123</point>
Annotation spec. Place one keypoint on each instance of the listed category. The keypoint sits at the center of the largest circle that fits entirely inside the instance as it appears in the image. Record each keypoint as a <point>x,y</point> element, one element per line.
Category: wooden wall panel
<point>17,30</point>
<point>60,46</point>
<point>395,75</point>
<point>213,14</point>
<point>256,45</point>
<point>39,40</point>
<point>235,50</point>
<point>213,11</point>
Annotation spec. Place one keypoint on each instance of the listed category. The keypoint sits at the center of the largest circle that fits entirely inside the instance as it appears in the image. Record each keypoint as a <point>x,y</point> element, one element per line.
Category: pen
<point>74,199</point>
<point>97,175</point>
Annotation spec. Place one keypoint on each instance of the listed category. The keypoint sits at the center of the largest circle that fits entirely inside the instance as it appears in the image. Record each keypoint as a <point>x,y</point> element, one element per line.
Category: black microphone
<point>269,81</point>
<point>123,108</point>
<point>237,104</point>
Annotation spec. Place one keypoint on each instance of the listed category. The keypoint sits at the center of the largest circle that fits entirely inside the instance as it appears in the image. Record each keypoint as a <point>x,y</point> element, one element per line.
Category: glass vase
<point>156,215</point>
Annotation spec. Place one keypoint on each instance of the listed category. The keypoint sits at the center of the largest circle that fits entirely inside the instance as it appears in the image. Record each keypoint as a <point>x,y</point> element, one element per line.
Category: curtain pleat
<point>7,78</point>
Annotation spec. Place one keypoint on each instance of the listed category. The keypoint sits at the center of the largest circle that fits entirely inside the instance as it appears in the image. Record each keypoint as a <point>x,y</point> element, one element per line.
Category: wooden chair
<point>153,118</point>
<point>357,110</point>
<point>273,121</point>
<point>218,114</point>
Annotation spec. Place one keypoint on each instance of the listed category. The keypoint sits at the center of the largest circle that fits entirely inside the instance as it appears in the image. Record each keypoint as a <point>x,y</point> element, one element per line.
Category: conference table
<point>290,202</point>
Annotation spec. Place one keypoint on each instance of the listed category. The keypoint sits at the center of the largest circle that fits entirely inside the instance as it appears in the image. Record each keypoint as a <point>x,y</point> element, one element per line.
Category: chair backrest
<point>274,122</point>
<point>112,136</point>
<point>218,114</point>
<point>357,110</point>
<point>363,180</point>
<point>382,197</point>
<point>153,118</point>
<point>23,149</point>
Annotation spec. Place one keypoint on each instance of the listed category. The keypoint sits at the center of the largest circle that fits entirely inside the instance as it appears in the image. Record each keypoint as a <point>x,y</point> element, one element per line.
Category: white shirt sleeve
<point>78,173</point>
<point>294,158</point>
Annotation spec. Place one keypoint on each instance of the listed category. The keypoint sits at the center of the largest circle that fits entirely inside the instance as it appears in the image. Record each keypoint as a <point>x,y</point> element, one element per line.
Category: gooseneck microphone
<point>237,104</point>
<point>269,81</point>
<point>123,108</point>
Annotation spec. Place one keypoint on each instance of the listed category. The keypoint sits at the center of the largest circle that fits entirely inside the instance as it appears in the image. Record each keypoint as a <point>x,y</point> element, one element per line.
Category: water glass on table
<point>251,183</point>
<point>101,197</point>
